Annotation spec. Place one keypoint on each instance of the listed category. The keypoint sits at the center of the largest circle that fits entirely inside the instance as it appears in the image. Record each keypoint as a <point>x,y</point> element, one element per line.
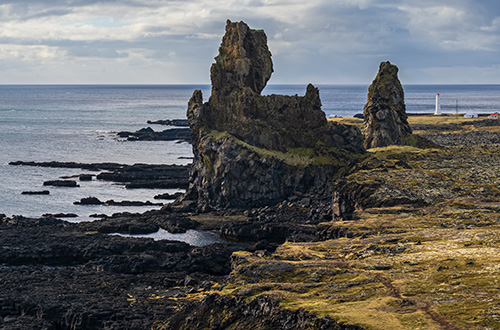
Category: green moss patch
<point>301,157</point>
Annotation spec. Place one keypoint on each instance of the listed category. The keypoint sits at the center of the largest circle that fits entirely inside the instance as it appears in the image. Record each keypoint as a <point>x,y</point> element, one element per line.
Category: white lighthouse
<point>438,106</point>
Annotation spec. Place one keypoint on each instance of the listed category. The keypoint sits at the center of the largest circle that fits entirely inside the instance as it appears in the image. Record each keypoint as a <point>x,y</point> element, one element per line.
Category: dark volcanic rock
<point>239,74</point>
<point>262,313</point>
<point>89,201</point>
<point>231,175</point>
<point>385,119</point>
<point>158,184</point>
<point>276,224</point>
<point>148,134</point>
<point>61,183</point>
<point>43,192</point>
<point>170,122</point>
<point>85,177</point>
<point>242,140</point>
<point>121,225</point>
<point>168,196</point>
<point>131,203</point>
<point>57,275</point>
<point>96,201</point>
<point>134,176</point>
<point>149,176</point>
<point>173,223</point>
<point>20,221</point>
<point>244,61</point>
<point>149,222</point>
<point>54,242</point>
<point>60,215</point>
<point>348,196</point>
<point>474,138</point>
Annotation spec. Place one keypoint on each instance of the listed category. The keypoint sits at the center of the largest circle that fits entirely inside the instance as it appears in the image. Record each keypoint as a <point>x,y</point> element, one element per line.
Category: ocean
<point>79,123</point>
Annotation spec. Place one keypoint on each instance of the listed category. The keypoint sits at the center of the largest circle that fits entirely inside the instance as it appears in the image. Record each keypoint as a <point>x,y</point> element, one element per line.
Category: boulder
<point>85,177</point>
<point>89,201</point>
<point>385,119</point>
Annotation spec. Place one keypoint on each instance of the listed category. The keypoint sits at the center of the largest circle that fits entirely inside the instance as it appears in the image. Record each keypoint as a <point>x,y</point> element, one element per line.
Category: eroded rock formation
<point>239,74</point>
<point>385,111</point>
<point>251,150</point>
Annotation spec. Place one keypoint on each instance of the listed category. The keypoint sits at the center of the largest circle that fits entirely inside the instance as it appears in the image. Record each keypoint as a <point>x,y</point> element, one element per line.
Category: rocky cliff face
<point>253,150</point>
<point>385,111</point>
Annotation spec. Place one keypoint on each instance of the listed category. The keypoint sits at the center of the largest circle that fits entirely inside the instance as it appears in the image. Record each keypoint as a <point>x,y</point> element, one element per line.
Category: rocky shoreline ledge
<point>148,134</point>
<point>132,176</point>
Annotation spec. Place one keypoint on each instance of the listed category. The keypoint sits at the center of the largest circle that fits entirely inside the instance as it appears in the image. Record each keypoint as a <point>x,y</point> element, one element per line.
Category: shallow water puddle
<point>192,237</point>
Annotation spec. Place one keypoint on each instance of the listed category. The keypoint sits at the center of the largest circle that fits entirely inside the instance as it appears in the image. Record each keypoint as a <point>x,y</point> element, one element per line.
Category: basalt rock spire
<point>239,74</point>
<point>242,139</point>
<point>385,119</point>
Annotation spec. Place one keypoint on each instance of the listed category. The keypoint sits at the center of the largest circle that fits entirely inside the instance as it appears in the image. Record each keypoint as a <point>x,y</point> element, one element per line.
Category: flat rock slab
<point>43,192</point>
<point>61,183</point>
<point>148,134</point>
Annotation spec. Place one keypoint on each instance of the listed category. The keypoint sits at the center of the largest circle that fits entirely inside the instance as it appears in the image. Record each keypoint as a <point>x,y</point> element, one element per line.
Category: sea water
<point>79,123</point>
<point>348,100</point>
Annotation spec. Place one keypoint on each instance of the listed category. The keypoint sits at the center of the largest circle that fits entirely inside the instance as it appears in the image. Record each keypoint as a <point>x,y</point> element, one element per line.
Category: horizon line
<point>208,84</point>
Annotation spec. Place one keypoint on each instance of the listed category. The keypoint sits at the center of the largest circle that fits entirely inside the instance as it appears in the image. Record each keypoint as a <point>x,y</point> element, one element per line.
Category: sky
<point>317,41</point>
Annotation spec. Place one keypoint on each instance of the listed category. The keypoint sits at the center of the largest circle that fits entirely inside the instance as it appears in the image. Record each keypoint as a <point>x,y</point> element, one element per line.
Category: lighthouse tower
<point>438,106</point>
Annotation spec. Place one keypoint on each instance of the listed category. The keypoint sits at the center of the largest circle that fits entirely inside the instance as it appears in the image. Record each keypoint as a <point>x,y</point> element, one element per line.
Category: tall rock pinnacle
<point>243,61</point>
<point>236,106</point>
<point>385,119</point>
<point>243,141</point>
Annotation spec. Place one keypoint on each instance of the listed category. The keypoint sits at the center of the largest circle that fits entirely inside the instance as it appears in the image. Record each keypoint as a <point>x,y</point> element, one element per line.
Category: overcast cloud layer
<point>318,41</point>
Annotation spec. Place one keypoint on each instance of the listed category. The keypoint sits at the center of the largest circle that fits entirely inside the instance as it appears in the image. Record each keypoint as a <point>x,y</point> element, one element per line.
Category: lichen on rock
<point>385,119</point>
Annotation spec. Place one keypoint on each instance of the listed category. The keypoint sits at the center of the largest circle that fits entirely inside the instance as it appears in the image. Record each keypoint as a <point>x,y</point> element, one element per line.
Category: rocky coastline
<point>386,222</point>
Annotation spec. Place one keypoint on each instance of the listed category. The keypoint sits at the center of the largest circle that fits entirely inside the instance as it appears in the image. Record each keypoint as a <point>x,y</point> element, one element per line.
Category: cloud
<point>174,41</point>
<point>452,27</point>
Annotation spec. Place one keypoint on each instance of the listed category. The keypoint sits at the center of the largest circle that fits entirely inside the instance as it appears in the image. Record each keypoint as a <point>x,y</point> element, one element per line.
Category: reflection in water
<point>192,237</point>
